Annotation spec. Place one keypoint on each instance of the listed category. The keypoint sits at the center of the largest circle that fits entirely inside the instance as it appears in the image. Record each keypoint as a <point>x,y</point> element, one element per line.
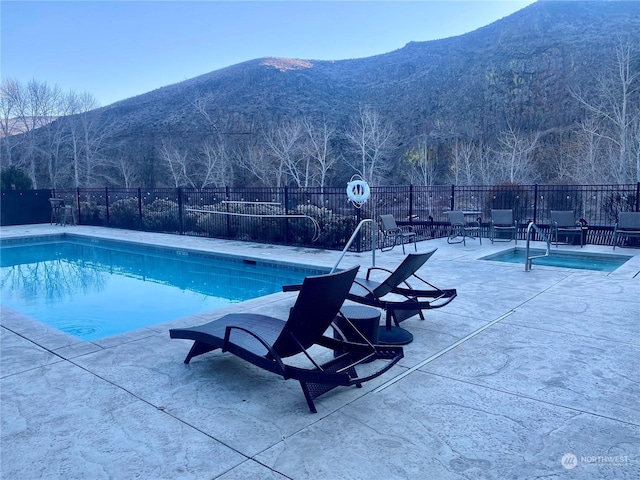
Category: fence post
<point>286,212</point>
<point>106,202</point>
<point>453,192</point>
<point>180,218</point>
<point>78,204</point>
<point>139,208</point>
<point>535,203</point>
<point>411,204</point>
<point>358,219</point>
<point>227,198</point>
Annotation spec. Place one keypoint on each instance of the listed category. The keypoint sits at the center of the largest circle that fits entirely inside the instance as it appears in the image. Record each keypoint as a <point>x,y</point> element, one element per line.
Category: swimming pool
<point>579,260</point>
<point>96,288</point>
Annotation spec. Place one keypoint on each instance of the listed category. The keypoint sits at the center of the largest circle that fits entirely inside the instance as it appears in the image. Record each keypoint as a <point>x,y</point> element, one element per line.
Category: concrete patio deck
<point>524,375</point>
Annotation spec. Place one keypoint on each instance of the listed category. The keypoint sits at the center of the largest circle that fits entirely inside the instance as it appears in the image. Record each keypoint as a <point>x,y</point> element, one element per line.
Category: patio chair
<point>563,222</point>
<point>67,216</point>
<point>628,226</point>
<point>502,221</point>
<point>57,206</point>
<point>459,227</point>
<point>266,341</point>
<point>397,297</point>
<point>392,233</point>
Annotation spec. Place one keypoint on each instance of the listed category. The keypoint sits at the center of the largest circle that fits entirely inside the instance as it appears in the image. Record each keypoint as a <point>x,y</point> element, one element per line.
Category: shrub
<point>125,214</point>
<point>161,216</point>
<point>93,214</point>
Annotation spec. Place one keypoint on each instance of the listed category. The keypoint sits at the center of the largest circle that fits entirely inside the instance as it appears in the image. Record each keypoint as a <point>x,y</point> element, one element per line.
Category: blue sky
<point>117,49</point>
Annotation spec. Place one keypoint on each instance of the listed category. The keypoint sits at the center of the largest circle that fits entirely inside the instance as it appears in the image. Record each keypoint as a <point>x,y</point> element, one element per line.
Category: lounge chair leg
<point>198,349</point>
<point>307,395</point>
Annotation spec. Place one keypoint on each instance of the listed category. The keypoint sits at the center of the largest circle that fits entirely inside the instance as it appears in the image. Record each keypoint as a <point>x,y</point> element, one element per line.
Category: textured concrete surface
<point>524,375</point>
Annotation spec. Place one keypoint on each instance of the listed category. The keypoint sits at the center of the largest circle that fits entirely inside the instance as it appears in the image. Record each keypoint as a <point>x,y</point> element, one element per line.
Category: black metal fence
<point>323,217</point>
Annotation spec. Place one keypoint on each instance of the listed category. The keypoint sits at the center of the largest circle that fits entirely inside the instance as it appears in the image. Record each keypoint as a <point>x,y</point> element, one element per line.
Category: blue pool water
<point>96,289</point>
<point>578,260</point>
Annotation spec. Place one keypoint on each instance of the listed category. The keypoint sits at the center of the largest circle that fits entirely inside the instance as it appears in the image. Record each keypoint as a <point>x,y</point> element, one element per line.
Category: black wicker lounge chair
<point>397,296</point>
<point>628,226</point>
<point>266,341</point>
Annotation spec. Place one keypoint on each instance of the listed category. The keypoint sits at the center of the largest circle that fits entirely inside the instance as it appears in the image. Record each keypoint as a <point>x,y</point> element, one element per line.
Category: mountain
<point>518,69</point>
<point>516,74</point>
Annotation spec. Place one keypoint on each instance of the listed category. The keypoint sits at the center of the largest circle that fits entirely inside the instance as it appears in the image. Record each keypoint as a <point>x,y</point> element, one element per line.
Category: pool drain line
<point>441,352</point>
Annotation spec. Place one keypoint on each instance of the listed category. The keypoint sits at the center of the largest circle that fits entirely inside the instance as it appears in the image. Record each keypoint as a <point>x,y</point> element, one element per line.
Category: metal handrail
<point>527,260</point>
<point>353,236</point>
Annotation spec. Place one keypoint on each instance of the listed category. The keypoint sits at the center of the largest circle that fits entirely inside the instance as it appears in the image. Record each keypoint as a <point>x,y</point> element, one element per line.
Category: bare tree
<point>60,141</point>
<point>214,167</point>
<point>463,154</point>
<point>53,143</point>
<point>282,141</point>
<point>9,98</point>
<point>484,165</point>
<point>202,105</point>
<point>372,139</point>
<point>635,135</point>
<point>253,158</point>
<point>175,160</point>
<point>125,168</point>
<point>32,106</point>
<point>86,139</point>
<point>515,153</point>
<point>614,103</point>
<point>318,148</point>
<point>421,163</point>
<point>579,159</point>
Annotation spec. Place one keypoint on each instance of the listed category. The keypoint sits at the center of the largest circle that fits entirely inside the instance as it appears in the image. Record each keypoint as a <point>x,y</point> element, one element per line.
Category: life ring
<point>358,191</point>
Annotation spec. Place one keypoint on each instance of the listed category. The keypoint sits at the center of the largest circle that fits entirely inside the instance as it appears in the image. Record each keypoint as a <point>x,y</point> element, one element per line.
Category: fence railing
<point>323,217</point>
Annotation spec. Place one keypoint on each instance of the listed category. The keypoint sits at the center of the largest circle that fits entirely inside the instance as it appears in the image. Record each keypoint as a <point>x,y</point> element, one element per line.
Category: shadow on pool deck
<point>522,370</point>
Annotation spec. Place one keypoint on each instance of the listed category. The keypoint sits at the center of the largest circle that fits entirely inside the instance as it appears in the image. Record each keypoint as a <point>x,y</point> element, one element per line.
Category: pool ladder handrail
<point>353,237</point>
<point>527,257</point>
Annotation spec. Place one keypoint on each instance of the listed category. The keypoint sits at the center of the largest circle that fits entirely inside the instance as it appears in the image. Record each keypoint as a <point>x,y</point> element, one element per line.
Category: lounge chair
<point>564,223</point>
<point>266,341</point>
<point>628,226</point>
<point>459,227</point>
<point>398,298</point>
<point>502,221</point>
<point>392,233</point>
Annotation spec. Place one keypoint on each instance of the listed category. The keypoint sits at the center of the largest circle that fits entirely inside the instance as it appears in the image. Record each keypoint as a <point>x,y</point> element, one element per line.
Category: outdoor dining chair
<point>460,227</point>
<point>563,223</point>
<point>502,222</point>
<point>628,226</point>
<point>392,234</point>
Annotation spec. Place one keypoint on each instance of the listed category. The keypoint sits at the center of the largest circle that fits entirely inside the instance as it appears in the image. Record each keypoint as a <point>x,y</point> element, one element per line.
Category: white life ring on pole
<point>358,192</point>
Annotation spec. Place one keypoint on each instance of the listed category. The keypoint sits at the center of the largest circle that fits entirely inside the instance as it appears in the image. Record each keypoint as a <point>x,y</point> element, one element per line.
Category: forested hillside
<point>549,94</point>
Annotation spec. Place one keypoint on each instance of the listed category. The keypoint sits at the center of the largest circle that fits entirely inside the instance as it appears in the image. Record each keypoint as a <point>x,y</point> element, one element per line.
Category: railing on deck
<point>532,228</point>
